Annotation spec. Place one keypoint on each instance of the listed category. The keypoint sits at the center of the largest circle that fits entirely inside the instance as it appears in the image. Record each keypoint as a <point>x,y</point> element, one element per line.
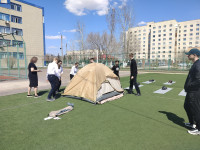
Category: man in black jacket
<point>115,68</point>
<point>192,87</point>
<point>133,76</point>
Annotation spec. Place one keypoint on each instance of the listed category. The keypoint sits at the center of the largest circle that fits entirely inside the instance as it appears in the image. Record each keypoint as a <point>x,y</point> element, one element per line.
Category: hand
<point>39,70</point>
<point>47,80</point>
<point>132,77</point>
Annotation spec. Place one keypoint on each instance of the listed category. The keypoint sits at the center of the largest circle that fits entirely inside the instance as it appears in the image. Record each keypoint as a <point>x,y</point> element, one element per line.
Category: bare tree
<point>81,29</point>
<point>94,41</point>
<point>126,20</point>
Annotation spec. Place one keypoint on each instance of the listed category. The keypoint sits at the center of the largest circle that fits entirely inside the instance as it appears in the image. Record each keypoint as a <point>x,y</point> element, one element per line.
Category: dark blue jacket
<point>133,67</point>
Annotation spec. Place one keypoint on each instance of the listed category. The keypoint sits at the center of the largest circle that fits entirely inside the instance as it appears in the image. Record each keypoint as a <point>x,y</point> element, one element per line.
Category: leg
<point>131,85</point>
<point>35,90</point>
<point>29,90</point>
<point>136,85</point>
<point>51,81</point>
<point>188,110</point>
<point>71,76</point>
<point>196,109</point>
<point>56,84</point>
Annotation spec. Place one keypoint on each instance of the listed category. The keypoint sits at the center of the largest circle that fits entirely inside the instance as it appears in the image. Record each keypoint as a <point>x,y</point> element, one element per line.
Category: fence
<point>14,64</point>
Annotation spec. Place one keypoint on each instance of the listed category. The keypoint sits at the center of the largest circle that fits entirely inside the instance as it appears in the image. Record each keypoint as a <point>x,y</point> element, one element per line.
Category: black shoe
<point>36,96</point>
<point>138,94</point>
<point>29,95</point>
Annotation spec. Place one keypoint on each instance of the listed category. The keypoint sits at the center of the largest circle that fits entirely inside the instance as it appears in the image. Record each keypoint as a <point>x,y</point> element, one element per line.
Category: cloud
<point>123,3</point>
<point>82,7</point>
<point>51,37</point>
<point>52,47</point>
<point>73,30</point>
<point>142,23</point>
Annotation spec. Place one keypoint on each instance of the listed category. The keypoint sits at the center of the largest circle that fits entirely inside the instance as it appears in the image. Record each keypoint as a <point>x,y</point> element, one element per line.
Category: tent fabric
<point>88,81</point>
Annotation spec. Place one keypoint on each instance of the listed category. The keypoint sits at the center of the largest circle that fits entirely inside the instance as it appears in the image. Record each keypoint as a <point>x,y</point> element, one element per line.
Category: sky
<point>61,16</point>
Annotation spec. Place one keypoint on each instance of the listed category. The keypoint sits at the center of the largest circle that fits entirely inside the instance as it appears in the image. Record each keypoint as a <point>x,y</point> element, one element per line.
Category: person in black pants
<point>115,68</point>
<point>53,77</point>
<point>133,76</point>
<point>192,87</point>
<point>33,77</point>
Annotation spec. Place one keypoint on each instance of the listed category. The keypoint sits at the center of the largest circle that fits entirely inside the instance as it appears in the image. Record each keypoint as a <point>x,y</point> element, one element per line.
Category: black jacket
<point>133,67</point>
<point>115,69</point>
<point>192,83</point>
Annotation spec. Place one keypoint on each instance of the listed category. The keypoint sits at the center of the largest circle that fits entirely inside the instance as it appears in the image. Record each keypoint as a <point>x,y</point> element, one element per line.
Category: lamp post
<point>61,46</point>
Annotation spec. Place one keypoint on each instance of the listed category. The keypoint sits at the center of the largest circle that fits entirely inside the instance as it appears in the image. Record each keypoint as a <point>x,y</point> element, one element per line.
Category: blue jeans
<point>54,81</point>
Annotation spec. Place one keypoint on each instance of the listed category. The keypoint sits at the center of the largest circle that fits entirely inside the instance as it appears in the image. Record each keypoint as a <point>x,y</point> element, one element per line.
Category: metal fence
<point>14,64</point>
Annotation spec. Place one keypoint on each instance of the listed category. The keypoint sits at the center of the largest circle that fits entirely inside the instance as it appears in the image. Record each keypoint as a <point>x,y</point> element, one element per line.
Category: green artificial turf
<point>150,122</point>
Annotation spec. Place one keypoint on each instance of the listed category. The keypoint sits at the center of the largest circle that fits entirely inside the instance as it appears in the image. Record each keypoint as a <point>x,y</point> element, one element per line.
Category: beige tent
<point>94,82</point>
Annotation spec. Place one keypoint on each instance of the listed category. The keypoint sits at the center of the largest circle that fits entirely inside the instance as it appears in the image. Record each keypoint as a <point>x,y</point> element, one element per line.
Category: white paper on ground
<point>127,88</point>
<point>47,118</point>
<point>148,82</point>
<point>57,118</point>
<point>182,93</point>
<point>160,91</point>
<point>167,83</point>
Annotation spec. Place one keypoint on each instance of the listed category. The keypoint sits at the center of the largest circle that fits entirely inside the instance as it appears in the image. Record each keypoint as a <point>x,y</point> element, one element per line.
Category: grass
<point>149,122</point>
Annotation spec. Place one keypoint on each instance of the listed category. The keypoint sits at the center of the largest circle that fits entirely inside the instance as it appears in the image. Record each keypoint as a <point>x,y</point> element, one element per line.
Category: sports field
<point>150,122</point>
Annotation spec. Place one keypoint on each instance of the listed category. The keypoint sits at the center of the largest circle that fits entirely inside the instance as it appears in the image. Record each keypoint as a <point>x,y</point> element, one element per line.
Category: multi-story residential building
<point>21,31</point>
<point>163,40</point>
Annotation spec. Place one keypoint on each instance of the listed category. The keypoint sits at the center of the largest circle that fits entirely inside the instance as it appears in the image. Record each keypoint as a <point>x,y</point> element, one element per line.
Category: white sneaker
<point>190,125</point>
<point>194,132</point>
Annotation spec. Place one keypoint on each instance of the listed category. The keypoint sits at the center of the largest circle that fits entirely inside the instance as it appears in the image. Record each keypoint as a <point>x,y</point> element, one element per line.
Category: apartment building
<point>163,40</point>
<point>22,32</point>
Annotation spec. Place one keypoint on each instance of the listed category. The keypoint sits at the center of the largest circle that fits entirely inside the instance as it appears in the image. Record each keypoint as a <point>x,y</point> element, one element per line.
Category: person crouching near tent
<point>53,78</point>
<point>60,72</point>
<point>115,68</point>
<point>74,70</point>
<point>92,60</point>
<point>33,77</point>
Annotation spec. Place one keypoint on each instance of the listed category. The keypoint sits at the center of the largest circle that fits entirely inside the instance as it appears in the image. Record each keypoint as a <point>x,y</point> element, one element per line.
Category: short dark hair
<point>116,60</point>
<point>59,61</point>
<point>91,58</point>
<point>131,54</point>
<point>33,59</point>
<point>76,63</point>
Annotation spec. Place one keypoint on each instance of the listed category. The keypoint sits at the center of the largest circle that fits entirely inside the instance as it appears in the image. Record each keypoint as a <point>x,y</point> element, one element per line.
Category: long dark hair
<point>33,59</point>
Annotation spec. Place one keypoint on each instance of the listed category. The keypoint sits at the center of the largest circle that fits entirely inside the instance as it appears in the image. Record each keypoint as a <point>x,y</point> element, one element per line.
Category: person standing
<point>192,88</point>
<point>115,68</point>
<point>53,78</point>
<point>60,72</point>
<point>33,77</point>
<point>133,76</point>
<point>74,70</point>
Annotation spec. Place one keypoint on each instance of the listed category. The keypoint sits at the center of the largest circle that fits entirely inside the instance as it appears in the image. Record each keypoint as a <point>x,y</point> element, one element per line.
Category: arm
<point>33,70</point>
<point>196,81</point>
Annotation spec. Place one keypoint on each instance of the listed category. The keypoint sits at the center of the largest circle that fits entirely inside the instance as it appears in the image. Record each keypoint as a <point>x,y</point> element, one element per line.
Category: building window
<point>144,30</point>
<point>153,44</point>
<point>159,27</point>
<point>16,31</point>
<point>170,43</point>
<point>159,44</point>
<point>184,47</point>
<point>185,26</point>
<point>153,48</point>
<point>170,34</point>
<point>185,34</point>
<point>15,7</point>
<point>191,34</point>
<point>17,43</point>
<point>143,38</point>
<point>196,42</point>
<point>159,39</point>
<point>5,17</point>
<point>170,25</point>
<point>154,36</point>
<point>154,27</point>
<point>20,54</point>
<point>154,40</point>
<point>164,34</point>
<point>164,26</point>
<point>164,39</point>
<point>191,29</point>
<point>197,38</point>
<point>144,34</point>
<point>159,35</point>
<point>164,43</point>
<point>190,43</point>
<point>185,30</point>
<point>170,51</point>
<point>154,31</point>
<point>170,38</point>
<point>197,33</point>
<point>158,51</point>
<point>197,25</point>
<point>170,29</point>
<point>158,56</point>
<point>184,43</point>
<point>5,43</point>
<point>159,31</point>
<point>158,47</point>
<point>4,29</point>
<point>169,56</point>
<point>164,30</point>
<point>16,19</point>
<point>170,47</point>
<point>191,25</point>
<point>163,48</point>
<point>184,39</point>
<point>197,29</point>
<point>190,39</point>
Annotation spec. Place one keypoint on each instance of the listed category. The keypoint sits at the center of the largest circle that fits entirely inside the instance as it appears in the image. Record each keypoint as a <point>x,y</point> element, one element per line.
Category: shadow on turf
<point>40,93</point>
<point>139,114</point>
<point>174,118</point>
